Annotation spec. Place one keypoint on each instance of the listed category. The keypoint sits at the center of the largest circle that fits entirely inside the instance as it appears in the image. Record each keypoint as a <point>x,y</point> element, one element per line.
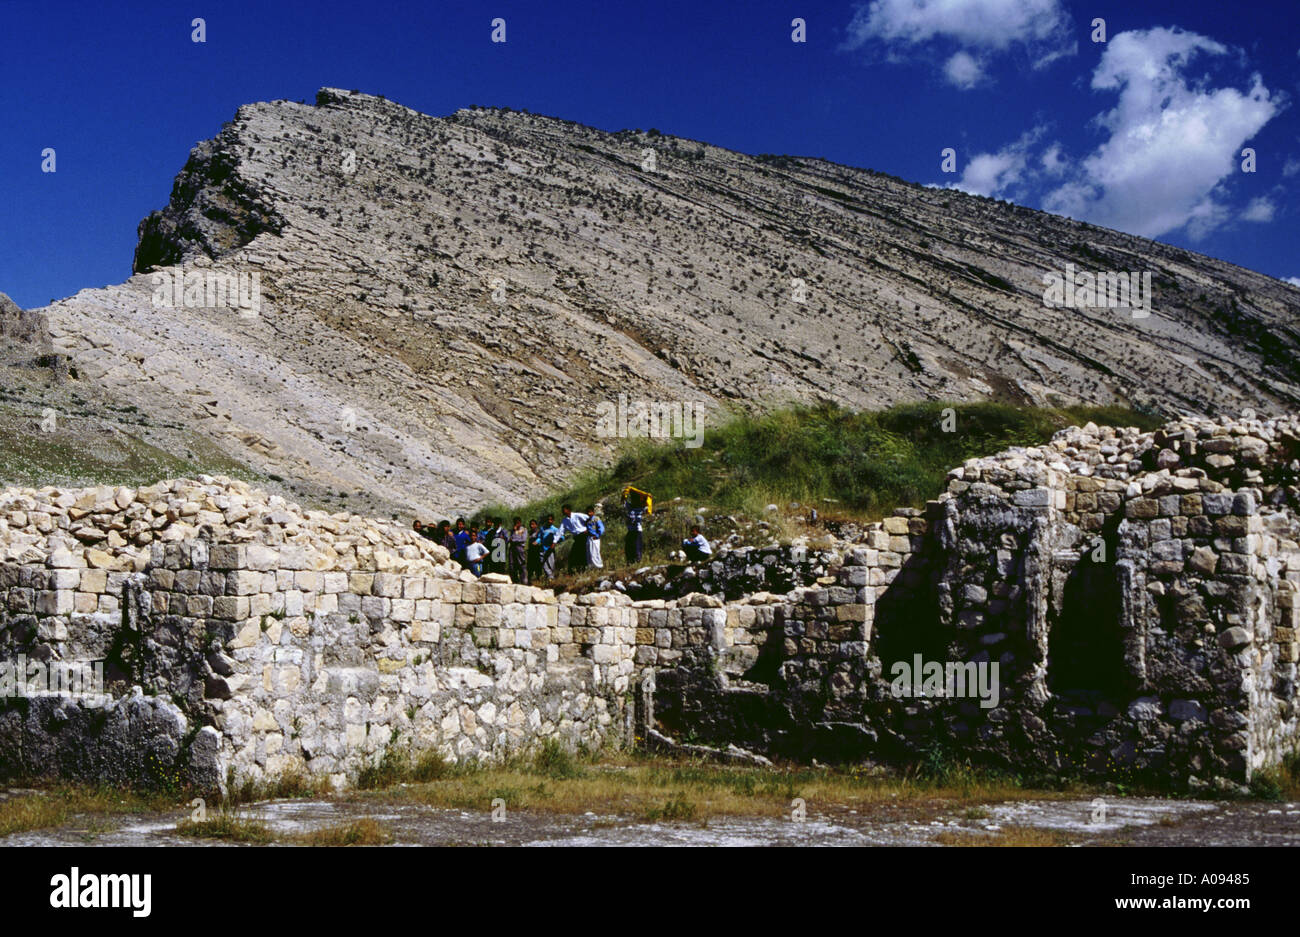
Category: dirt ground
<point>1121,821</point>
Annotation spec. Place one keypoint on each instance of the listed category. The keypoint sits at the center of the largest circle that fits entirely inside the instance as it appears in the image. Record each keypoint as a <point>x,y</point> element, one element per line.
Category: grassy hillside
<point>849,465</point>
<point>62,432</point>
<point>81,451</point>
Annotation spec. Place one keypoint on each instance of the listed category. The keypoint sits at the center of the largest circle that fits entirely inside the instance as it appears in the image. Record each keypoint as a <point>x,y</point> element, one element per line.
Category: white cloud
<point>1205,216</point>
<point>991,173</point>
<point>994,24</point>
<point>963,70</point>
<point>1047,58</point>
<point>1170,142</point>
<point>1291,167</point>
<point>1294,281</point>
<point>994,174</point>
<point>1041,27</point>
<point>1053,162</point>
<point>1259,209</point>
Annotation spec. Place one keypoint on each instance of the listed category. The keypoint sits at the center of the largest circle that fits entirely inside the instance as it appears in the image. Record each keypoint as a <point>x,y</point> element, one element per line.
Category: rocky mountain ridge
<point>444,304</point>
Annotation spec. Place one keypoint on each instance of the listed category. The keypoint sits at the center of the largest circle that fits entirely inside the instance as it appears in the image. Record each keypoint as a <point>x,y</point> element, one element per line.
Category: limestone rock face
<point>20,327</point>
<point>444,304</point>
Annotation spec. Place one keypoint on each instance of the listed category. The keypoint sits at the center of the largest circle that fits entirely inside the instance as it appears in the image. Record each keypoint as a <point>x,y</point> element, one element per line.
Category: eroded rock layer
<point>444,304</point>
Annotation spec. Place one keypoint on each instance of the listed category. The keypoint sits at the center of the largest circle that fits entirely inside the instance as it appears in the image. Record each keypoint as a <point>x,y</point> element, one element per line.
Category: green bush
<point>556,762</point>
<point>868,462</point>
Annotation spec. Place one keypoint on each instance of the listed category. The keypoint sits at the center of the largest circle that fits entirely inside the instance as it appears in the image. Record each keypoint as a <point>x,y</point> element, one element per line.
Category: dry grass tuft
<point>228,826</point>
<point>1007,836</point>
<point>54,806</point>
<point>363,832</point>
<point>657,789</point>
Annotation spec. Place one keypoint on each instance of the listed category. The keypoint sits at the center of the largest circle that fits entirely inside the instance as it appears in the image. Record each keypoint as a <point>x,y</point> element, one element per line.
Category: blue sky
<point>1142,132</point>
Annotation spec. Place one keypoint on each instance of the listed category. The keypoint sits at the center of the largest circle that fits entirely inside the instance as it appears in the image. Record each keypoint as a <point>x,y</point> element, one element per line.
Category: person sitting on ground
<point>595,530</point>
<point>575,527</point>
<point>534,551</point>
<point>696,546</point>
<point>518,556</point>
<point>474,553</point>
<point>634,544</point>
<point>551,537</point>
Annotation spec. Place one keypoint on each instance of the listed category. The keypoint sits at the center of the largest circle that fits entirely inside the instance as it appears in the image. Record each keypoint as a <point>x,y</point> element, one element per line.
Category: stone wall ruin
<point>1137,592</point>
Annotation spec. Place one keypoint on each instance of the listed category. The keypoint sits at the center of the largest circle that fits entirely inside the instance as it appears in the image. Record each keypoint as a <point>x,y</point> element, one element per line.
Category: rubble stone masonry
<point>1136,591</point>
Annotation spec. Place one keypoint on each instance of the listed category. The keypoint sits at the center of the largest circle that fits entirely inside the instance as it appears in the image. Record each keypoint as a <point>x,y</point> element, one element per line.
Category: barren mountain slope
<point>473,287</point>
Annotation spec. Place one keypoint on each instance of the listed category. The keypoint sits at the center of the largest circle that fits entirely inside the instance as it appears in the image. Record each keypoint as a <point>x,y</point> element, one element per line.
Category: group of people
<point>528,554</point>
<point>523,553</point>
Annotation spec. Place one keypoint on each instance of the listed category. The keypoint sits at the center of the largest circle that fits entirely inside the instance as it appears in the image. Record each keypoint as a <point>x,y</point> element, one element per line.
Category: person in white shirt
<point>696,546</point>
<point>474,553</point>
<point>575,526</point>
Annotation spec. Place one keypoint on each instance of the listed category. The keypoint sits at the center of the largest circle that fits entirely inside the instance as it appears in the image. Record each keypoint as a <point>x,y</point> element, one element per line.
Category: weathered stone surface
<point>357,191</point>
<point>370,631</point>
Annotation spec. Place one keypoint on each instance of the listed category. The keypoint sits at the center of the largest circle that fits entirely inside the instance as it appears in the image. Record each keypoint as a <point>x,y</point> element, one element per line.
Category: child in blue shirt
<point>462,540</point>
<point>550,537</point>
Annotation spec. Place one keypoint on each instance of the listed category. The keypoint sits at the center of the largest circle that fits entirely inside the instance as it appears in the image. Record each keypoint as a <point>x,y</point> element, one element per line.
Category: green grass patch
<point>79,451</point>
<point>398,766</point>
<point>675,808</point>
<point>290,784</point>
<point>867,462</point>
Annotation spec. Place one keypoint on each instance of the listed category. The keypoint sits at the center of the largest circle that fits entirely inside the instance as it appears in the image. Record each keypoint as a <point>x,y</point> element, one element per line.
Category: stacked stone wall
<point>1136,593</point>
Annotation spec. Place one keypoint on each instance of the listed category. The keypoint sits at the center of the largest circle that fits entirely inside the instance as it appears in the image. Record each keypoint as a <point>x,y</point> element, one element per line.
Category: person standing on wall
<point>518,540</point>
<point>595,530</point>
<point>575,527</point>
<point>498,544</point>
<point>462,541</point>
<point>474,553</point>
<point>633,516</point>
<point>551,537</point>
<point>534,551</point>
